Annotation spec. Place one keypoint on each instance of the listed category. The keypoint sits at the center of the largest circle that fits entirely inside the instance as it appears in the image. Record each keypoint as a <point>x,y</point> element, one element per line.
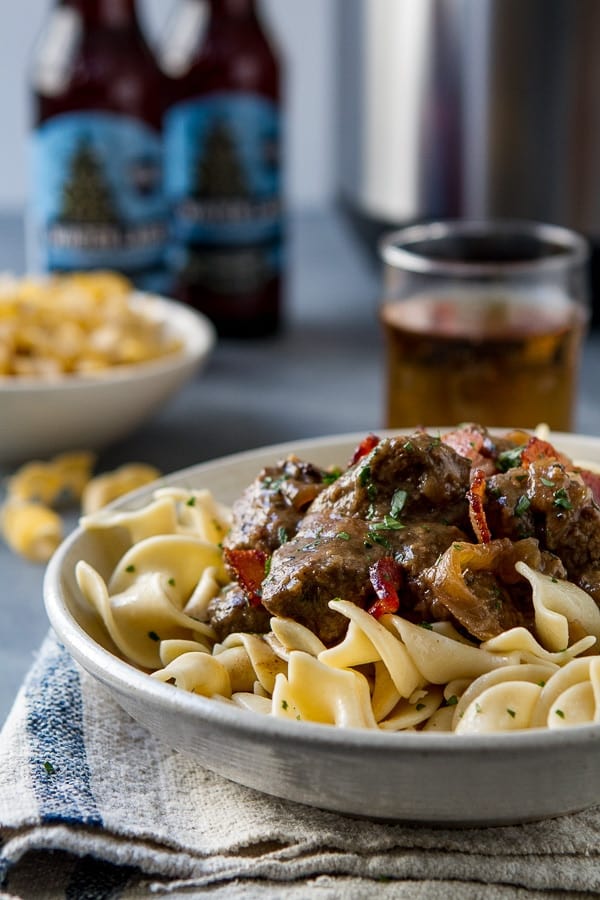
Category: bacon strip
<point>385,577</point>
<point>468,442</point>
<point>537,449</point>
<point>366,445</point>
<point>248,567</point>
<point>475,496</point>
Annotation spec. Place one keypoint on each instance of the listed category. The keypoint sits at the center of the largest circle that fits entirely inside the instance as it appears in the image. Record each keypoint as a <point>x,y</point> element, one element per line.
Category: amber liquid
<point>505,361</point>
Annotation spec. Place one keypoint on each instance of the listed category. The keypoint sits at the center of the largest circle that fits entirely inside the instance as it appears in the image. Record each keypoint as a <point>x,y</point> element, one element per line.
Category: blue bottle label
<point>222,169</point>
<point>98,193</point>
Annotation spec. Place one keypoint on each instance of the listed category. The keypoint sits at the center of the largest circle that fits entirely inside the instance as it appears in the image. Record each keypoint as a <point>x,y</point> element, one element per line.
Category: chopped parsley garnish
<point>419,707</point>
<point>510,459</point>
<point>541,683</point>
<point>478,708</point>
<point>274,484</point>
<point>172,582</point>
<point>511,713</point>
<point>49,767</point>
<point>153,636</point>
<point>389,523</point>
<point>284,704</point>
<point>376,538</point>
<point>268,565</point>
<point>452,701</point>
<point>130,568</point>
<point>343,535</point>
<point>364,476</point>
<point>522,505</point>
<point>560,713</point>
<point>561,499</point>
<point>331,475</point>
<point>427,625</point>
<point>457,547</point>
<point>312,545</point>
<point>408,445</point>
<point>282,535</point>
<point>399,499</point>
<point>191,502</point>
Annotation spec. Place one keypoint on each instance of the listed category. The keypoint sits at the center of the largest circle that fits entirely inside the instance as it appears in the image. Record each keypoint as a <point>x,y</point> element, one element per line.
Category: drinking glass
<point>484,322</point>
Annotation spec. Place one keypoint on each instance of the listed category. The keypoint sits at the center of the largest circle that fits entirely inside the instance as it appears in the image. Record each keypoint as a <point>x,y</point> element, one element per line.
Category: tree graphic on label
<point>86,194</point>
<point>219,172</point>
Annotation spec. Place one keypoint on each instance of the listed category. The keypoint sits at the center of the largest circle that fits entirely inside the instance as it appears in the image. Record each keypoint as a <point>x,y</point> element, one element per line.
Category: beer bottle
<point>222,165</point>
<point>97,187</point>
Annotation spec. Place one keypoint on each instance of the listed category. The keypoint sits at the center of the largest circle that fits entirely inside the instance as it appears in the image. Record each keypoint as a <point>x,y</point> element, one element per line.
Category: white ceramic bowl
<point>38,418</point>
<point>443,778</point>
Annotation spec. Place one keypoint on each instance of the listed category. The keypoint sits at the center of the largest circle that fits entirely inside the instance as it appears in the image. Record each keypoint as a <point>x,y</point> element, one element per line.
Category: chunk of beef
<point>431,478</point>
<point>230,611</point>
<point>269,510</point>
<point>552,504</point>
<point>330,557</point>
<point>418,548</point>
<point>589,581</point>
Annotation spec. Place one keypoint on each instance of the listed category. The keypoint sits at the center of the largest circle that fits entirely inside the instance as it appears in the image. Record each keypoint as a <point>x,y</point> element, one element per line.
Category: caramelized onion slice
<point>479,586</point>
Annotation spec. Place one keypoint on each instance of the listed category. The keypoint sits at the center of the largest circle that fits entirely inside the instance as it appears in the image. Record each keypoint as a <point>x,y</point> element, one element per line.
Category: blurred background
<point>295,25</point>
<point>402,111</point>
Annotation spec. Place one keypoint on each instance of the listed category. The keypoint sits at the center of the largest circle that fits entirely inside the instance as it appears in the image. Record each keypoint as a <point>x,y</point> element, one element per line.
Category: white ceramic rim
<point>195,330</point>
<point>124,677</point>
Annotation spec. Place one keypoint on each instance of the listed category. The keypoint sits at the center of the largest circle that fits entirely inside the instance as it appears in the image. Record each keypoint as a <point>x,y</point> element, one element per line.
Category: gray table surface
<point>322,375</point>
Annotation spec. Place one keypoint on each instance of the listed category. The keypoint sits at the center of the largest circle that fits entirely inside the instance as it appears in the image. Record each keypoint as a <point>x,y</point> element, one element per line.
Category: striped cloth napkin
<point>93,806</point>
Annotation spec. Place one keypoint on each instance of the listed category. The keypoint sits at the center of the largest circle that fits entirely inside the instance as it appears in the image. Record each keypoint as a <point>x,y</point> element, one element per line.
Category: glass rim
<point>394,247</point>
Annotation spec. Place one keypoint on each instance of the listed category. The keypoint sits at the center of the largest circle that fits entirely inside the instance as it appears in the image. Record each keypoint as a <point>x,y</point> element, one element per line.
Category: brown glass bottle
<point>97,178</point>
<point>222,161</point>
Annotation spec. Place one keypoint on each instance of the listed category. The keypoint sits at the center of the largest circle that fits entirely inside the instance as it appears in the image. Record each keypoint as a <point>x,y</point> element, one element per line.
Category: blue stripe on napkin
<point>54,725</point>
<point>5,865</point>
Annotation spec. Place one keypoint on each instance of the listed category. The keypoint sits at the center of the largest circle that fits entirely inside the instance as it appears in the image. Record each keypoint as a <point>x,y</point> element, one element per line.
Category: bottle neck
<point>107,13</point>
<point>232,9</point>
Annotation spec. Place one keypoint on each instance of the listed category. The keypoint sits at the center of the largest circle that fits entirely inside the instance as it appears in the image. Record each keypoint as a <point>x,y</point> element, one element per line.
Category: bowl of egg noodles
<point>84,360</point>
<point>404,626</point>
